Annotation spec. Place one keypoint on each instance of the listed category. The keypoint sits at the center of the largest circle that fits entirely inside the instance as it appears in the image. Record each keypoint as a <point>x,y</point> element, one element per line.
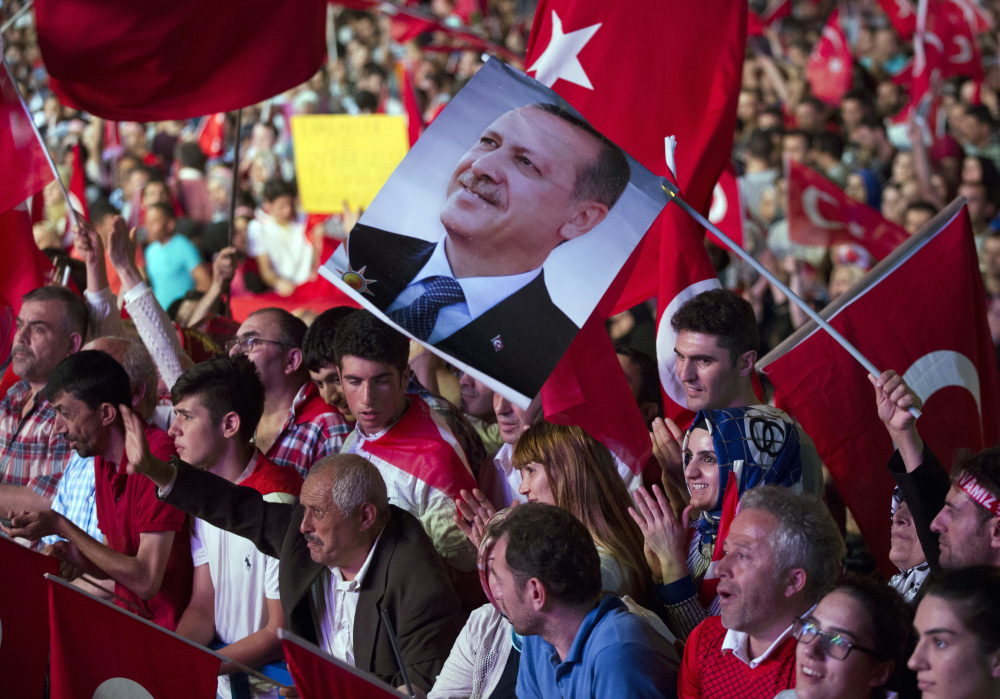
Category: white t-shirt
<point>287,247</point>
<point>243,577</point>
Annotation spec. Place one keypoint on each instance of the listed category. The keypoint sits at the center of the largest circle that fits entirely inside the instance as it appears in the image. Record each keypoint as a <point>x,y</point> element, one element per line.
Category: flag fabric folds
<point>317,675</point>
<point>829,67</point>
<point>23,267</point>
<point>819,213</point>
<point>145,60</point>
<point>24,613</point>
<point>922,313</point>
<point>649,90</point>
<point>25,167</point>
<point>138,656</point>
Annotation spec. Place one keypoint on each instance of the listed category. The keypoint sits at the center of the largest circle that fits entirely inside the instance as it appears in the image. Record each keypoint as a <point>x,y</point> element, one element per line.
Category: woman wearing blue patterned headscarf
<point>732,448</point>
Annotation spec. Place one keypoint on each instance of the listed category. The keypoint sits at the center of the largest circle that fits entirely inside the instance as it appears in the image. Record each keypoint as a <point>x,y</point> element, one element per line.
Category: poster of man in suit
<point>497,235</point>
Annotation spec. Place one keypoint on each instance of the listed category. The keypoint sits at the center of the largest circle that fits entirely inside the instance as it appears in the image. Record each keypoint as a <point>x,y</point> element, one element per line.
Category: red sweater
<point>710,672</point>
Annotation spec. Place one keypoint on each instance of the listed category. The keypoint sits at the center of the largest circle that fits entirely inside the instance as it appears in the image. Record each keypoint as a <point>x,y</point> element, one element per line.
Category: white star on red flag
<point>559,59</point>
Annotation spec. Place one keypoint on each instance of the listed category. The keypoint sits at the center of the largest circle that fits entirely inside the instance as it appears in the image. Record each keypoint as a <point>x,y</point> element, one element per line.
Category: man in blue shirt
<point>546,577</point>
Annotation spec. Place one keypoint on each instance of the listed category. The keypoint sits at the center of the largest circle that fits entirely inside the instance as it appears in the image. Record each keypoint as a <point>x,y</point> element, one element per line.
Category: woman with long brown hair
<point>564,466</point>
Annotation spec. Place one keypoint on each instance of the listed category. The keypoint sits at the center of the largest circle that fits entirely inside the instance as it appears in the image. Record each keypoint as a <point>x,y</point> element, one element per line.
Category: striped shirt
<point>31,453</point>
<point>75,497</point>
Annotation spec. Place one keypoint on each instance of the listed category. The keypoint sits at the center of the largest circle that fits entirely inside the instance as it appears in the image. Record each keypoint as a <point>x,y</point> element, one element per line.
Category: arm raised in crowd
<point>105,320</point>
<point>154,326</point>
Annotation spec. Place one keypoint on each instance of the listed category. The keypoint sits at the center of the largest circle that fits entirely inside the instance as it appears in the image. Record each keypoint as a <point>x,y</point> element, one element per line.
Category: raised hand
<point>136,446</point>
<point>894,400</point>
<point>121,245</point>
<point>224,266</point>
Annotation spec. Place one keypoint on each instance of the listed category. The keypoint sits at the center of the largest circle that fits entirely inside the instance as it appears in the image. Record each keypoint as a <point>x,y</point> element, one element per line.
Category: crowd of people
<point>313,472</point>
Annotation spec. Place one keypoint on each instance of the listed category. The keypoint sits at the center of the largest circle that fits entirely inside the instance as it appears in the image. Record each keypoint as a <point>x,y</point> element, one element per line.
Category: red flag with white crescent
<point>922,313</point>
<point>726,211</point>
<point>819,213</point>
<point>829,65</point>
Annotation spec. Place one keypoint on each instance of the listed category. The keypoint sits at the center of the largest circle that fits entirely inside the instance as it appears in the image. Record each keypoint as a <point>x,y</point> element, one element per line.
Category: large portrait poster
<point>499,232</point>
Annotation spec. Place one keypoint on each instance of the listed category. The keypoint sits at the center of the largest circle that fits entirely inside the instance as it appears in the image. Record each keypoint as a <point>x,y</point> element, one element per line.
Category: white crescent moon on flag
<point>121,688</point>
<point>936,370</point>
<point>666,339</point>
<point>810,204</point>
<point>964,50</point>
<point>720,205</point>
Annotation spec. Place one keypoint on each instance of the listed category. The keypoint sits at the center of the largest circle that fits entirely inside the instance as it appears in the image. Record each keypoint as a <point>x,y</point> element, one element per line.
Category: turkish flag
<point>24,613</point>
<point>211,134</point>
<point>25,167</point>
<point>317,675</point>
<point>756,24</point>
<point>628,69</point>
<point>954,34</point>
<point>145,60</point>
<point>977,16</point>
<point>426,450</point>
<point>922,313</point>
<point>819,213</point>
<point>902,16</point>
<point>588,389</point>
<point>101,650</point>
<point>829,67</point>
<point>23,267</point>
<point>726,212</point>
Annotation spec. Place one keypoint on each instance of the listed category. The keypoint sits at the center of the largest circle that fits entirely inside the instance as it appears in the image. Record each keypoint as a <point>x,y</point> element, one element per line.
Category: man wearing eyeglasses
<point>297,428</point>
<point>782,554</point>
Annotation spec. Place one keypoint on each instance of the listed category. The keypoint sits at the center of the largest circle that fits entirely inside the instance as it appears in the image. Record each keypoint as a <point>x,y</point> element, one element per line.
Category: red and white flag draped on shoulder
<point>144,60</point>
<point>99,650</point>
<point>922,313</point>
<point>640,72</point>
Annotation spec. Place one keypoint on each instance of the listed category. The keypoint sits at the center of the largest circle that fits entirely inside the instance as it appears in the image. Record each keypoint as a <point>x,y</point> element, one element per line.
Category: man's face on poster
<point>512,195</point>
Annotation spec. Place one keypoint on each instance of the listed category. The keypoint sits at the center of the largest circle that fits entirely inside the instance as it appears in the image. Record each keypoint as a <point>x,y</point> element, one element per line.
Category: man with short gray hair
<point>346,554</point>
<point>782,554</point>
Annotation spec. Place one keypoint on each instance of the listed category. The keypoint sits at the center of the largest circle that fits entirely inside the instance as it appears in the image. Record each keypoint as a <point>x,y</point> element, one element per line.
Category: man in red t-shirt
<point>146,549</point>
<point>783,553</point>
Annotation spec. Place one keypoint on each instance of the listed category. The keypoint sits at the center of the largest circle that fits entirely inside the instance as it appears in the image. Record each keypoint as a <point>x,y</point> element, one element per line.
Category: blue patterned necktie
<point>421,315</point>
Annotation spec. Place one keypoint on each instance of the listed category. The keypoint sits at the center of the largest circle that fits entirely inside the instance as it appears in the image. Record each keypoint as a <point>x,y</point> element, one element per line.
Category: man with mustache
<point>538,176</point>
<point>51,325</point>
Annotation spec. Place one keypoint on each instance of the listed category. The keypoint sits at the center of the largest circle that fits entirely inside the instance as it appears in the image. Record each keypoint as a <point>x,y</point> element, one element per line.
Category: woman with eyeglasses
<point>851,644</point>
<point>958,635</point>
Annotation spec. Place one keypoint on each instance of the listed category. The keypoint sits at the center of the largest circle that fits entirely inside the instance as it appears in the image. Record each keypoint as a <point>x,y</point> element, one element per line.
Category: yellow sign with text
<point>342,158</point>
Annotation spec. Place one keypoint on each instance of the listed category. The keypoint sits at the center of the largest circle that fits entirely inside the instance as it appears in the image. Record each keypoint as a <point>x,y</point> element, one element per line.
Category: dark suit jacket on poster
<point>406,576</point>
<point>533,333</point>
